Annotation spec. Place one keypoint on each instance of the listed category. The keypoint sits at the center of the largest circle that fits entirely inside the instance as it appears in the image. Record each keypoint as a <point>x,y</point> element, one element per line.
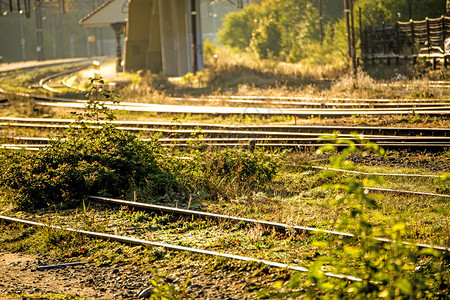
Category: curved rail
<point>44,85</point>
<point>25,66</point>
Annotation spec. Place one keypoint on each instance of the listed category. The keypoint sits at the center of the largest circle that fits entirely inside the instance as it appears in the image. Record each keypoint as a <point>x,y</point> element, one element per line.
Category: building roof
<point>113,11</point>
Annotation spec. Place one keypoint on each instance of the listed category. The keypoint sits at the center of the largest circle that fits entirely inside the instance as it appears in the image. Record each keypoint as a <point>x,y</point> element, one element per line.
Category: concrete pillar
<point>174,37</point>
<point>160,38</point>
<point>153,59</point>
<point>137,37</point>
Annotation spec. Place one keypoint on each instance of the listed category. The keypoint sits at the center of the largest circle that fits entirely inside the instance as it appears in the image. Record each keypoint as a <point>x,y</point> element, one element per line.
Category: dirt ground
<point>21,279</point>
<point>21,276</point>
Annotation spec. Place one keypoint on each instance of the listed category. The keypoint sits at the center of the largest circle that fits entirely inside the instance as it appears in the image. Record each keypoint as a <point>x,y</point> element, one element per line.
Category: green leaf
<point>352,251</point>
<point>405,286</point>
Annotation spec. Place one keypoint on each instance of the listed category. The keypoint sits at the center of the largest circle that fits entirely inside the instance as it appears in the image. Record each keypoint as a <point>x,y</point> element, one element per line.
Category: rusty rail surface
<point>138,242</point>
<point>278,226</point>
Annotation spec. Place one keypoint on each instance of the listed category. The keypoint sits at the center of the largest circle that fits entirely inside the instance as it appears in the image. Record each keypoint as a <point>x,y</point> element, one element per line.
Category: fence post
<point>444,33</point>
<point>321,21</point>
<point>363,51</point>
<point>444,36</point>
<point>411,22</point>
<point>428,35</point>
<point>370,38</point>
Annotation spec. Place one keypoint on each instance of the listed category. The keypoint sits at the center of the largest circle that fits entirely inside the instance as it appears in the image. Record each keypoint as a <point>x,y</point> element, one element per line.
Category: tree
<point>274,28</point>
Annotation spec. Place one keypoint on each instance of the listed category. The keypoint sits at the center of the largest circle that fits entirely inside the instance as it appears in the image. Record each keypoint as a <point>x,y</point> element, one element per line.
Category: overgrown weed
<point>391,270</point>
<point>95,157</point>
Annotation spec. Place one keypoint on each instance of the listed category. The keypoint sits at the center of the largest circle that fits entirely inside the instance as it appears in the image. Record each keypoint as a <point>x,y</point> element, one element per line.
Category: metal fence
<point>413,38</point>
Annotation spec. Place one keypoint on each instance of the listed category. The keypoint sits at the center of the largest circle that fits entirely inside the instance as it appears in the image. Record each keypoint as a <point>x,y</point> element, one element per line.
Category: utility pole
<point>348,11</point>
<point>39,31</point>
<point>321,20</point>
<point>355,63</point>
<point>22,38</point>
<point>194,35</point>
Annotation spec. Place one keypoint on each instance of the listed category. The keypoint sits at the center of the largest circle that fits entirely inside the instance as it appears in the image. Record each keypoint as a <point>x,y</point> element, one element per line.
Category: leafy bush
<point>97,158</point>
<point>390,270</point>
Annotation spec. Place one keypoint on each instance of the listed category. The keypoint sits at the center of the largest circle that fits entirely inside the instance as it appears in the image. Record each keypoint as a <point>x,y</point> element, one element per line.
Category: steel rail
<point>406,192</point>
<point>65,83</point>
<point>323,106</point>
<point>431,136</point>
<point>42,82</point>
<point>324,99</point>
<point>283,128</point>
<point>38,147</point>
<point>321,102</point>
<point>278,226</point>
<point>217,110</point>
<point>375,174</point>
<point>139,242</point>
<point>386,145</point>
<point>21,147</point>
<point>272,140</point>
<point>313,104</point>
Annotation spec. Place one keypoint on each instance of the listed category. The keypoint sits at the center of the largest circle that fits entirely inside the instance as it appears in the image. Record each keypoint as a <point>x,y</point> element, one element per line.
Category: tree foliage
<point>374,12</point>
<point>289,30</point>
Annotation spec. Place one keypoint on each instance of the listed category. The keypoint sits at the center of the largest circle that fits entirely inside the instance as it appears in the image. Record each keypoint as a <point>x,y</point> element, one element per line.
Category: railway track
<point>45,82</point>
<point>140,242</point>
<point>267,145</point>
<point>183,135</point>
<point>300,106</point>
<point>268,106</point>
<point>11,70</point>
<point>307,129</point>
<point>261,111</point>
<point>292,101</point>
<point>277,226</point>
<point>308,102</point>
<point>191,214</point>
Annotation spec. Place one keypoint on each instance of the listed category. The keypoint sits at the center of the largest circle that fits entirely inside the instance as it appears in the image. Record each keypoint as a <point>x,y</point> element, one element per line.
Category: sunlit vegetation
<point>98,158</point>
<point>276,51</point>
<point>279,187</point>
<point>290,30</point>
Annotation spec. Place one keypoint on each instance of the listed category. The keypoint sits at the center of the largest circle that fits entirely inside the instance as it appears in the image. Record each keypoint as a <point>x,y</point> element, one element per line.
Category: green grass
<point>296,195</point>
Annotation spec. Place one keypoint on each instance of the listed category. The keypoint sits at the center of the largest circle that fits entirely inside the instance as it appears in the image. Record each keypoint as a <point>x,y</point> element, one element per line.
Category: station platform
<point>22,65</point>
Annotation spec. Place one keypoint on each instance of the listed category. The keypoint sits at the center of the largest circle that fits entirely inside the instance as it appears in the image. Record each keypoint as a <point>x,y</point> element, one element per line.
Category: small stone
<point>145,293</point>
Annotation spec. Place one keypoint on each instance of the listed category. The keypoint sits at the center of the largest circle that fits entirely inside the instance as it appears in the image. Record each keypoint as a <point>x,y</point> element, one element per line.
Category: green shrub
<point>97,158</point>
<point>389,270</point>
<point>94,158</point>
